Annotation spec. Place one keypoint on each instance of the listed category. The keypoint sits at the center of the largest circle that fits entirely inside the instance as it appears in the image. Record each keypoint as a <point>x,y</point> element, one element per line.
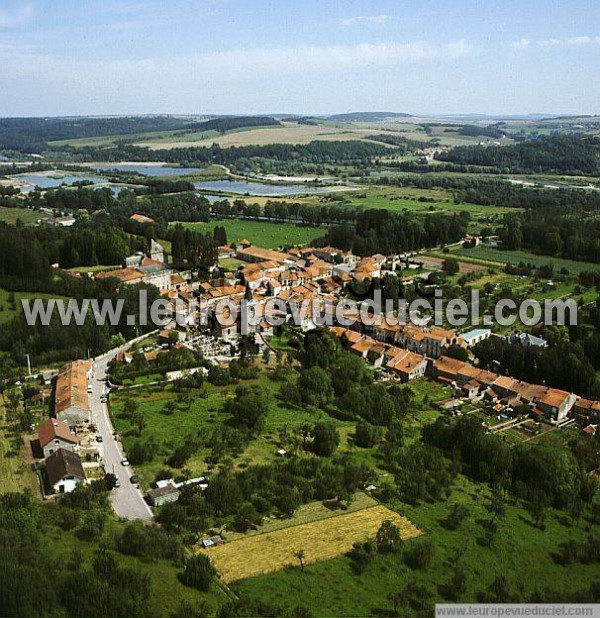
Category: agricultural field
<point>12,215</point>
<point>331,588</point>
<point>321,540</point>
<point>261,233</point>
<point>289,133</point>
<point>498,256</point>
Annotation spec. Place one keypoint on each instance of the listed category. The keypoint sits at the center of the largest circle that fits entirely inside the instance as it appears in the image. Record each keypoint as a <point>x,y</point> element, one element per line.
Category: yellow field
<point>320,540</point>
<point>289,133</point>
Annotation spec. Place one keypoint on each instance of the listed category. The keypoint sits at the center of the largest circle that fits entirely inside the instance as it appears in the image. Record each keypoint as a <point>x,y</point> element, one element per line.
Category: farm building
<point>162,495</point>
<point>71,401</point>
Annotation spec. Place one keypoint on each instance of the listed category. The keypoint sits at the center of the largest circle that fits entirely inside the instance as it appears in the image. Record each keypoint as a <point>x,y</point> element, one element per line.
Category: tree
<point>388,537</point>
<point>299,554</point>
<point>450,266</point>
<point>361,555</point>
<point>198,572</point>
<point>421,555</point>
<point>456,516</point>
<point>326,438</point>
<point>314,386</point>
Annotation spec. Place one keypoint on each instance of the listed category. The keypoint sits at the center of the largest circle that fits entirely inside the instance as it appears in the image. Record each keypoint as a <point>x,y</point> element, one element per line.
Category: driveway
<point>126,500</point>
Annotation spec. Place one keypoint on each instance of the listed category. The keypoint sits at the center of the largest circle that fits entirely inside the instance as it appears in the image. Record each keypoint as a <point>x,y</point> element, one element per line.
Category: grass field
<point>15,474</point>
<point>205,415</point>
<point>321,540</point>
<point>514,257</point>
<point>519,551</point>
<point>8,310</point>
<point>261,233</point>
<point>166,591</point>
<point>12,215</point>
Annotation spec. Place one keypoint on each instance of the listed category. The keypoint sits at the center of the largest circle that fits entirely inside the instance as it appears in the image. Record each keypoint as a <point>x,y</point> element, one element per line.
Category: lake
<point>50,180</point>
<point>242,187</point>
<point>157,171</point>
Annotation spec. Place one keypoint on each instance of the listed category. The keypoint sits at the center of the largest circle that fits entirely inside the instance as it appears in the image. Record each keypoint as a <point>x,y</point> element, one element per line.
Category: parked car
<point>117,482</point>
<point>125,461</point>
<point>99,438</point>
<point>103,399</point>
<point>135,479</point>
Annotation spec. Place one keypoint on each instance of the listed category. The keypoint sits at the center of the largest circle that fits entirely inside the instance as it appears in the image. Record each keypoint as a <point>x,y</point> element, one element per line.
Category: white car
<point>125,461</point>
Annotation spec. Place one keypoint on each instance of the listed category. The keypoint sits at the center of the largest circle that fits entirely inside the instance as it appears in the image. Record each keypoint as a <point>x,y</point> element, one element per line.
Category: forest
<point>564,154</point>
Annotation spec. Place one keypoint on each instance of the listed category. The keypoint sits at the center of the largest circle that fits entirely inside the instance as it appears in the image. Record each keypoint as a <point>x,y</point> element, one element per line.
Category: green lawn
<point>519,551</point>
<point>262,233</point>
<point>25,215</point>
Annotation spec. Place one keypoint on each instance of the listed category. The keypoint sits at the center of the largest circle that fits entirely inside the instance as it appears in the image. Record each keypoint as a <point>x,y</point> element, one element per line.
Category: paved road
<point>126,500</point>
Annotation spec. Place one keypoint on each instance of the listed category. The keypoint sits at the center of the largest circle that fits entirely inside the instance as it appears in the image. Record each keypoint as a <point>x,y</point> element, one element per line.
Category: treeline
<point>27,254</point>
<point>558,154</point>
<point>383,231</point>
<point>33,134</point>
<point>565,365</point>
<point>529,471</point>
<point>553,231</point>
<point>313,157</point>
<point>230,123</point>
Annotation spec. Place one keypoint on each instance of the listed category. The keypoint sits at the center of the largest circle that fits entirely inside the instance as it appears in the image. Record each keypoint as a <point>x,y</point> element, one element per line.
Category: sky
<point>99,57</point>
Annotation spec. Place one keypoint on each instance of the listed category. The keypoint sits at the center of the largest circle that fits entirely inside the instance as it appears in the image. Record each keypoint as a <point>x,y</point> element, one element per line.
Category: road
<point>127,500</point>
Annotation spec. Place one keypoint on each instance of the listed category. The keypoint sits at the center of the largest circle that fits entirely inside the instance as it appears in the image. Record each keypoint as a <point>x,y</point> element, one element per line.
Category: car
<point>135,479</point>
<point>117,482</point>
<point>125,461</point>
<point>99,438</point>
<point>103,399</point>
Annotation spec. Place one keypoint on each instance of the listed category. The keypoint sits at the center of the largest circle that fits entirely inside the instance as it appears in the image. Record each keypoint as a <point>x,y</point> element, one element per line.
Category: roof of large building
<point>123,274</point>
<point>262,254</point>
<point>71,387</point>
<point>53,428</point>
<point>63,463</point>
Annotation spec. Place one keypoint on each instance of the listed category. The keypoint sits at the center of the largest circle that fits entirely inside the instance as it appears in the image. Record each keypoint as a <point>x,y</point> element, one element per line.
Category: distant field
<point>514,257</point>
<point>7,312</point>
<point>261,233</point>
<point>11,215</point>
<point>321,540</point>
<point>290,133</point>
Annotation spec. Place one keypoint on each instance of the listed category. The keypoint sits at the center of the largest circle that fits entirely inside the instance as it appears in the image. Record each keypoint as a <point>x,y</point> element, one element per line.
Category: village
<point>70,447</point>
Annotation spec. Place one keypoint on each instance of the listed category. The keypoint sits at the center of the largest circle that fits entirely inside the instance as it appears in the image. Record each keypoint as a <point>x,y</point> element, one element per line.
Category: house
<point>408,366</point>
<point>64,471</point>
<point>66,221</point>
<point>257,254</point>
<point>472,389</point>
<point>586,411</point>
<point>527,340</point>
<point>555,404</point>
<point>71,399</point>
<point>54,434</point>
<point>475,336</point>
<point>141,218</point>
<point>162,495</point>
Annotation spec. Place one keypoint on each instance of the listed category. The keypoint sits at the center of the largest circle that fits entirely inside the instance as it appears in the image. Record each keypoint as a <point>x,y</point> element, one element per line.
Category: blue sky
<point>64,57</point>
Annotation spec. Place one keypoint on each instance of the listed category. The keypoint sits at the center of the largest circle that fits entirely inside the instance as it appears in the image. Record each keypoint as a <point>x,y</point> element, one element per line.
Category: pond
<point>242,187</point>
<point>157,171</point>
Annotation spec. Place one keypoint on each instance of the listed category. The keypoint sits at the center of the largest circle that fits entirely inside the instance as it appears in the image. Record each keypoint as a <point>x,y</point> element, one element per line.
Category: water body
<point>51,180</point>
<point>241,187</point>
<point>156,171</point>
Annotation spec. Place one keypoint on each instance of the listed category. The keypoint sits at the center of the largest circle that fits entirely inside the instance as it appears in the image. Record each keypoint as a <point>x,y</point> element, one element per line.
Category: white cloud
<point>521,44</point>
<point>555,43</point>
<point>365,19</point>
<point>16,17</point>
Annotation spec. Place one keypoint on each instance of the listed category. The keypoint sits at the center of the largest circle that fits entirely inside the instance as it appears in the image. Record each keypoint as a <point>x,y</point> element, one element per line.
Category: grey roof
<point>63,463</point>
